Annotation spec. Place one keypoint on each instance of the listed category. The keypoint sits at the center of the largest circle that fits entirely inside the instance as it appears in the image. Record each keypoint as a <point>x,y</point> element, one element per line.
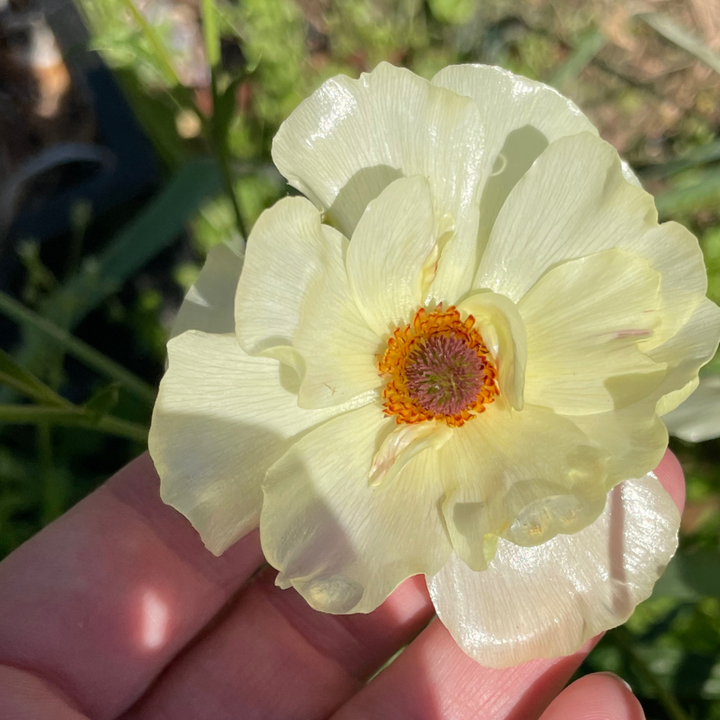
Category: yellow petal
<point>347,142</point>
<point>585,319</point>
<point>209,303</point>
<point>575,201</point>
<point>389,250</point>
<point>547,601</point>
<point>698,418</point>
<point>294,304</point>
<point>522,475</point>
<point>221,419</point>
<point>519,118</point>
<point>685,353</point>
<point>342,544</point>
<point>503,331</point>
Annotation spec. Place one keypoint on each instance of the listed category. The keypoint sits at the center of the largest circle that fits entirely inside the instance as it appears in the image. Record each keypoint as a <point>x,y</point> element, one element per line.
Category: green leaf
<point>150,233</point>
<point>701,194</point>
<point>102,402</point>
<point>682,38</point>
<point>210,30</point>
<point>579,59</point>
<point>691,576</point>
<point>24,382</point>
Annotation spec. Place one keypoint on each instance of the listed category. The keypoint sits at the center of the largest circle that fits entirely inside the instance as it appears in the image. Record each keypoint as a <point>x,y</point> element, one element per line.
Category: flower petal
<point>635,439</point>
<point>525,476</point>
<point>698,418</point>
<point>520,118</point>
<point>388,256</point>
<point>294,304</point>
<point>685,353</point>
<point>575,201</point>
<point>347,142</point>
<point>503,331</point>
<point>221,419</point>
<point>288,250</point>
<point>547,601</point>
<point>209,304</point>
<point>343,544</point>
<point>585,319</point>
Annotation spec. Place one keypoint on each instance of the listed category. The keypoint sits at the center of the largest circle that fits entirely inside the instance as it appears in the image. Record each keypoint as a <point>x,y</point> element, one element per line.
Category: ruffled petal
<point>585,319</point>
<point>294,304</point>
<point>341,543</point>
<point>347,142</point>
<point>520,118</point>
<point>698,418</point>
<point>287,253</point>
<point>525,476</point>
<point>391,254</point>
<point>209,304</point>
<point>635,439</point>
<point>575,201</point>
<point>547,601</point>
<point>221,419</point>
<point>504,334</point>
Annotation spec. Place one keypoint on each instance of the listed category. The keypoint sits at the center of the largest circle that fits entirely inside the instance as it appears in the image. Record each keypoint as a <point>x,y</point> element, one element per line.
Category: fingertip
<point>671,476</point>
<point>601,696</point>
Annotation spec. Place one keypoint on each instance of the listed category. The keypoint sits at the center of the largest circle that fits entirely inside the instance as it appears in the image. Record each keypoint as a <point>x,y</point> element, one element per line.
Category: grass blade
<point>210,30</point>
<point>71,417</point>
<point>13,376</point>
<point>682,38</point>
<point>94,359</point>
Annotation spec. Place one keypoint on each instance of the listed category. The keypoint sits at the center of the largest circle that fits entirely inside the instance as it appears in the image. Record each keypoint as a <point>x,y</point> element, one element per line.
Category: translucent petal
<point>221,419</point>
<point>209,304</point>
<point>389,252</point>
<point>685,353</point>
<point>294,304</point>
<point>343,544</point>
<point>503,332</point>
<point>522,475</point>
<point>585,319</point>
<point>547,601</point>
<point>519,117</point>
<point>287,253</point>
<point>348,141</point>
<point>698,418</point>
<point>575,201</point>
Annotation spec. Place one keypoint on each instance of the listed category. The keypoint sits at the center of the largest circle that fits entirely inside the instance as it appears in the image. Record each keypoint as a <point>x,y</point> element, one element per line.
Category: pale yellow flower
<point>455,391</point>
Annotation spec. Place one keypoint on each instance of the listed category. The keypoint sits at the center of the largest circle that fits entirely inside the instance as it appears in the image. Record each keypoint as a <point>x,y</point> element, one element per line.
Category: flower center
<point>438,368</point>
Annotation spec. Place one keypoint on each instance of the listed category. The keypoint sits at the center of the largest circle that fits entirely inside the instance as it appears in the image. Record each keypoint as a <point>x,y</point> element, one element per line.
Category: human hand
<point>116,610</point>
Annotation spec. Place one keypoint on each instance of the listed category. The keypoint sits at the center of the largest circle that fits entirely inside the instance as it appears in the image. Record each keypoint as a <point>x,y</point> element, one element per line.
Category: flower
<point>448,358</point>
<point>698,418</point>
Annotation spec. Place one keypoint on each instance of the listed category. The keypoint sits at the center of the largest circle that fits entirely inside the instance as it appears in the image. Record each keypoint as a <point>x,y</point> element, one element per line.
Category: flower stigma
<point>439,369</point>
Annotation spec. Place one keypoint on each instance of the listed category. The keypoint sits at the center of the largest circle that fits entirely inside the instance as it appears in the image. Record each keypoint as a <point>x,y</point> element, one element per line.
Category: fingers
<point>434,680</point>
<point>272,656</point>
<point>601,696</point>
<point>101,600</point>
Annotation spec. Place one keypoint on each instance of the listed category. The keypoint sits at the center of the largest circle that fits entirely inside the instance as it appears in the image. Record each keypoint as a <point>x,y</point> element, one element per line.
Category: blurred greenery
<point>210,82</point>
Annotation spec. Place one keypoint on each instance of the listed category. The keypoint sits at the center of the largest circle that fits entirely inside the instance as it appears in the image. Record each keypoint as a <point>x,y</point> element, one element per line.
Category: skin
<point>116,610</point>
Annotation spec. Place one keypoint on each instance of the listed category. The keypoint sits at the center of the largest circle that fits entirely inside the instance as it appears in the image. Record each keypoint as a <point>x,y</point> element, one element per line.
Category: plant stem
<point>73,417</point>
<point>220,146</point>
<point>79,349</point>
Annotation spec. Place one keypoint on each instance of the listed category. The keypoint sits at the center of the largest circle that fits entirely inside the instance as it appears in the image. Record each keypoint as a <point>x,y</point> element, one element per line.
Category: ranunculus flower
<point>442,362</point>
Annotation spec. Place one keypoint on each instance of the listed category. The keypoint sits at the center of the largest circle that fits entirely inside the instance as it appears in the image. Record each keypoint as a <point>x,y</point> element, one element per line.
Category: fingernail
<point>615,677</point>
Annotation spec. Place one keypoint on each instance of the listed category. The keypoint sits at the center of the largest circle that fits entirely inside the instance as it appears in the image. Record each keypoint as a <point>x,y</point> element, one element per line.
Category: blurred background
<point>135,135</point>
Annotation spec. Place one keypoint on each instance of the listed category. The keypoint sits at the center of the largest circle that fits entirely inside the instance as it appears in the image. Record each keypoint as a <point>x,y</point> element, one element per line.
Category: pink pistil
<point>444,375</point>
